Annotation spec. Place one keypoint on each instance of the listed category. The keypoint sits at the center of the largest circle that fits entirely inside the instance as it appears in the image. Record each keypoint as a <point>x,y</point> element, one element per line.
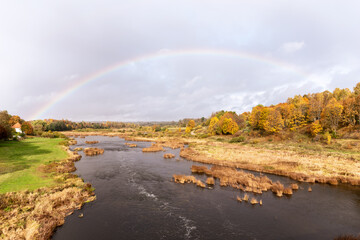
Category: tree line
<point>324,111</point>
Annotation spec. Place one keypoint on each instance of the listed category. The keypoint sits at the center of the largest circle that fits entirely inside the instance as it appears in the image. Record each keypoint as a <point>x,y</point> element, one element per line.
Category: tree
<point>27,128</point>
<point>315,128</point>
<point>6,131</point>
<point>357,89</point>
<point>316,104</point>
<point>213,125</point>
<point>341,94</point>
<point>191,124</point>
<point>14,119</point>
<point>229,126</point>
<point>255,116</point>
<point>357,107</point>
<point>331,115</point>
<point>274,122</point>
<point>350,111</point>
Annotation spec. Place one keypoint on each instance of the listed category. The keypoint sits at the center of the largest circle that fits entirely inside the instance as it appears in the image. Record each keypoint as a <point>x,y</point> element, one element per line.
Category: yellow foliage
<point>188,130</point>
<point>229,126</point>
<point>213,125</point>
<point>315,128</point>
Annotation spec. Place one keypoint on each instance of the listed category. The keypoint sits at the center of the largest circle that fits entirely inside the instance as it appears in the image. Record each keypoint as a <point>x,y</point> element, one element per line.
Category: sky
<point>168,60</point>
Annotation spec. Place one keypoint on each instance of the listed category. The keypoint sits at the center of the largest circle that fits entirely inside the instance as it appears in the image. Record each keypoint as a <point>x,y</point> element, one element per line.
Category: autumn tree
<point>191,124</point>
<point>341,94</point>
<point>350,111</point>
<point>229,126</point>
<point>331,115</point>
<point>357,107</point>
<point>14,119</point>
<point>316,104</point>
<point>213,125</point>
<point>254,118</point>
<point>274,122</point>
<point>357,89</point>
<point>5,128</point>
<point>27,128</point>
<point>315,128</point>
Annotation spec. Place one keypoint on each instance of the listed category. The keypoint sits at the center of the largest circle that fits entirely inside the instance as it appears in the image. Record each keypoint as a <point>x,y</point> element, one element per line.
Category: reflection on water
<point>137,200</point>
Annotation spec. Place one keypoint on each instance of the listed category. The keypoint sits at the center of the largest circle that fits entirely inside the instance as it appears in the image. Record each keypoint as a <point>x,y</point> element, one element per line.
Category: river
<point>136,199</point>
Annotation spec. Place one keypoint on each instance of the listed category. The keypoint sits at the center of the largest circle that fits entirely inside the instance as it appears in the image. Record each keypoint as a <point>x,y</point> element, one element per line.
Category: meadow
<point>20,162</point>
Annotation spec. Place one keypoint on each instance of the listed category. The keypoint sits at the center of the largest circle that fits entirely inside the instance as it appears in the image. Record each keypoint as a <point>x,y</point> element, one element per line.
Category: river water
<point>136,199</point>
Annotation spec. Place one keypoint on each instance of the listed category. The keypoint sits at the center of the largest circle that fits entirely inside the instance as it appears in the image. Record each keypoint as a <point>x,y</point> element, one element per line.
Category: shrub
<point>237,139</point>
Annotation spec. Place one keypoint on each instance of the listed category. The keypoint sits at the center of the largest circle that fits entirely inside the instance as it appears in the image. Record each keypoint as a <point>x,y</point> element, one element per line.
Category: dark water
<point>137,200</point>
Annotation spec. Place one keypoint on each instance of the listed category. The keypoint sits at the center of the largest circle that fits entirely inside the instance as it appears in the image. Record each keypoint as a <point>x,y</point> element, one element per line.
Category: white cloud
<point>291,47</point>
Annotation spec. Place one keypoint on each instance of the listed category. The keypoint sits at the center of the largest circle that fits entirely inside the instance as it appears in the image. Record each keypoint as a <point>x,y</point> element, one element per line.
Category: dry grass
<point>188,179</point>
<point>93,151</point>
<point>132,145</point>
<point>348,237</point>
<point>35,215</point>
<point>253,201</point>
<point>169,155</point>
<point>153,148</point>
<point>210,181</point>
<point>307,168</point>
<point>91,142</point>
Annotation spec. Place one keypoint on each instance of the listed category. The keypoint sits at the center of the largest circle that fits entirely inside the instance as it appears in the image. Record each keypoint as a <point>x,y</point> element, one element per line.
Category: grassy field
<point>19,163</point>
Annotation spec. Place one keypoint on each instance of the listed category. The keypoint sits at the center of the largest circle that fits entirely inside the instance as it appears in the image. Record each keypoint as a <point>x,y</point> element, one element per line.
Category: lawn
<point>19,163</point>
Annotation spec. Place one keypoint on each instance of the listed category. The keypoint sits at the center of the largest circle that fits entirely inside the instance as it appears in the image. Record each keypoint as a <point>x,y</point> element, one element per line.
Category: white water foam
<point>189,226</point>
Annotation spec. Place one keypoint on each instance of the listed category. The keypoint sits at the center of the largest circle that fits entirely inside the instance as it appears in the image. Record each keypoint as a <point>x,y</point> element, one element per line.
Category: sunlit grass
<point>19,163</point>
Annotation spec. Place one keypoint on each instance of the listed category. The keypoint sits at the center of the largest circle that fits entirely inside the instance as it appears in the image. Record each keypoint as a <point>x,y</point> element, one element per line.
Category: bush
<point>52,135</point>
<point>237,139</point>
<point>203,136</point>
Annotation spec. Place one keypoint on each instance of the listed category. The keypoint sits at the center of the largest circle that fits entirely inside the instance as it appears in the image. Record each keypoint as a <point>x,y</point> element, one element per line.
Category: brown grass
<point>246,198</point>
<point>153,148</point>
<point>253,201</point>
<point>347,237</point>
<point>91,142</point>
<point>78,149</point>
<point>169,155</point>
<point>294,186</point>
<point>200,170</point>
<point>93,151</point>
<point>288,191</point>
<point>322,168</point>
<point>309,189</point>
<point>188,179</point>
<point>210,181</point>
<point>132,145</point>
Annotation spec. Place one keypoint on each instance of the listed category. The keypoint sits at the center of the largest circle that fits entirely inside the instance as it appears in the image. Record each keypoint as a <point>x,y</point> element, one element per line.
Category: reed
<point>93,151</point>
<point>169,155</point>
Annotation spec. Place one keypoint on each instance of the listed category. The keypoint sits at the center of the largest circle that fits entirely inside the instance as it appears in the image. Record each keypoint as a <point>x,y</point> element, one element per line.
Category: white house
<point>17,127</point>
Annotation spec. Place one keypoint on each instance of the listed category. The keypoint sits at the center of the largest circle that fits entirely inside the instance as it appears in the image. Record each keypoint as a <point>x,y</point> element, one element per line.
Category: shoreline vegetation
<point>34,210</point>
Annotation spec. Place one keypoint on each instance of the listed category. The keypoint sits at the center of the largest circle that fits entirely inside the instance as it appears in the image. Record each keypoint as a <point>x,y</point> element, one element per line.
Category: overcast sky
<point>46,47</point>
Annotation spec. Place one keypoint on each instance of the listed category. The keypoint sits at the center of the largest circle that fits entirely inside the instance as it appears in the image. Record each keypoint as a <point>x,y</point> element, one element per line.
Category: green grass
<point>19,163</point>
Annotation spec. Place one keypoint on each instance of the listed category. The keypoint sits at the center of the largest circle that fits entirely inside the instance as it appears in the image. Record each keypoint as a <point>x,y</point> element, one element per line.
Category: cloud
<point>291,47</point>
<point>44,53</point>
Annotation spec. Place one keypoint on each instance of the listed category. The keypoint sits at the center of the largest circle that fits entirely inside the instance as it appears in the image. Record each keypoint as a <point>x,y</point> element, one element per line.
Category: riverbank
<point>307,162</point>
<point>38,189</point>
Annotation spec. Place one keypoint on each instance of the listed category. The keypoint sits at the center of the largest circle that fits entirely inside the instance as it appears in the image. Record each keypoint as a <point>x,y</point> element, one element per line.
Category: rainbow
<point>159,55</point>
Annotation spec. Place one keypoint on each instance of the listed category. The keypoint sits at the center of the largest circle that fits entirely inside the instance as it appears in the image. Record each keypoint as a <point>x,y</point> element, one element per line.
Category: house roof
<point>17,125</point>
